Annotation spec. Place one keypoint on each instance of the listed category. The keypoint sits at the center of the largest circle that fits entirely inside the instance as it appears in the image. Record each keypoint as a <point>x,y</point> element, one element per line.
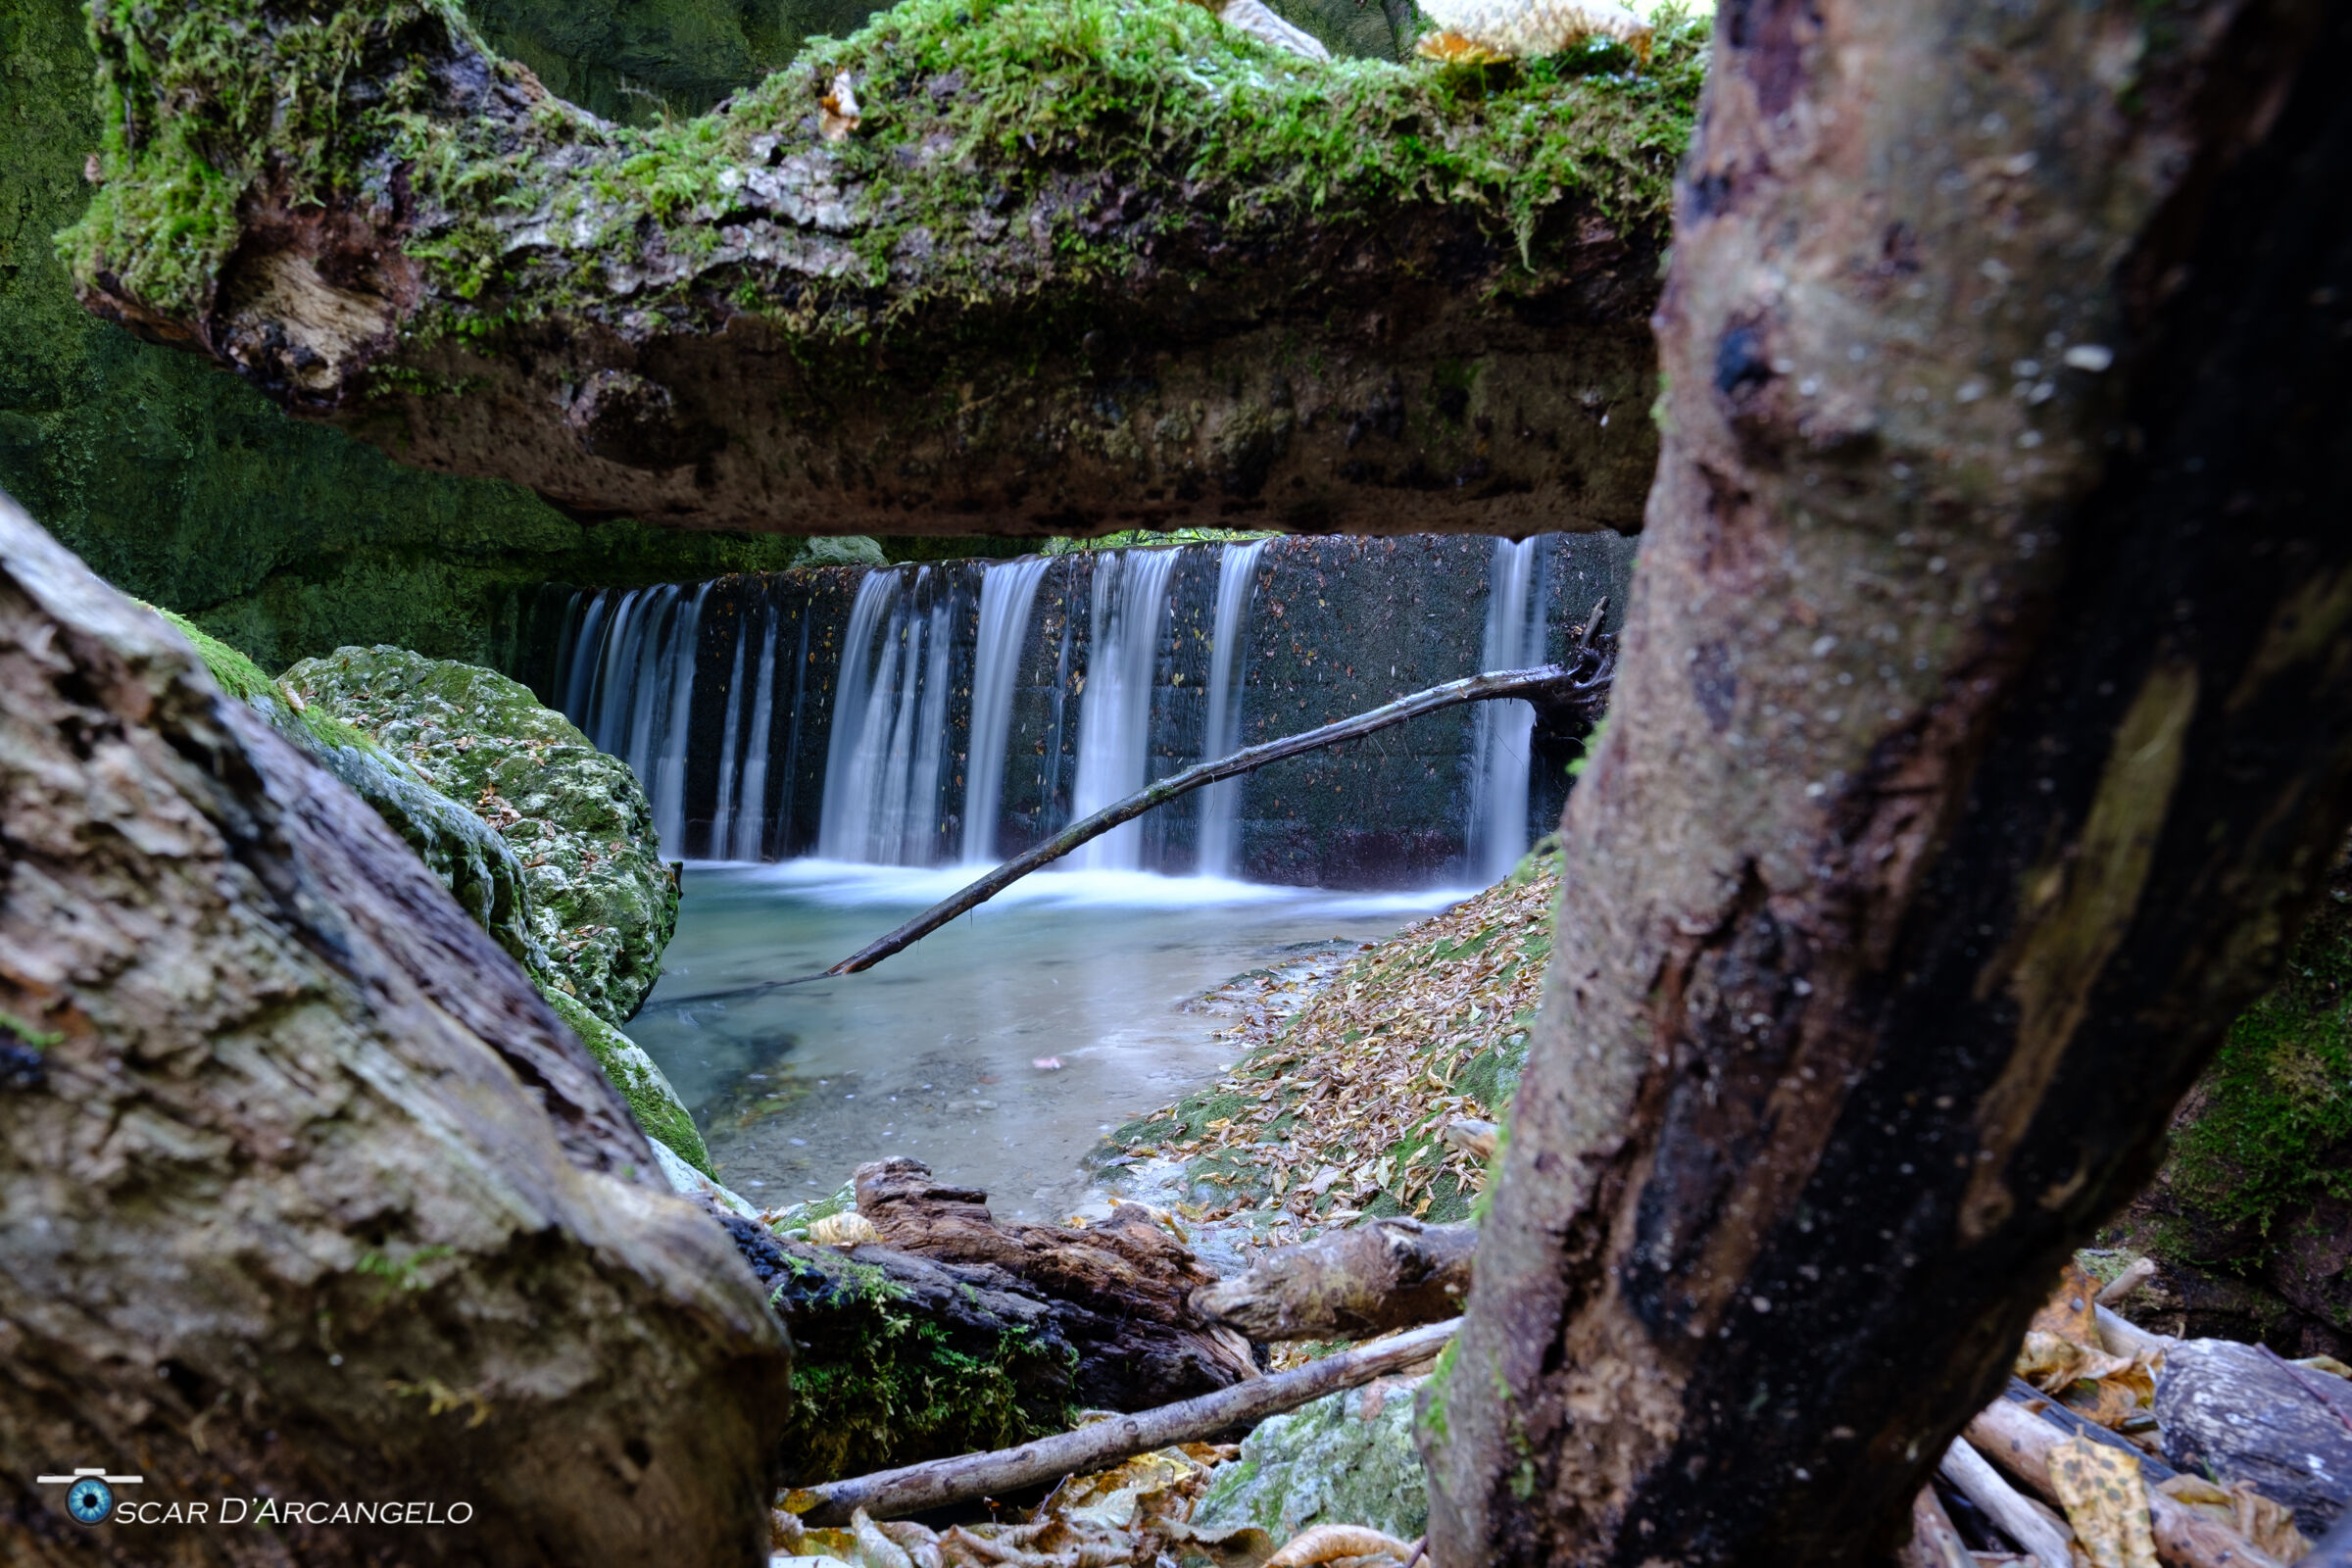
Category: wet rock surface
<point>602,901</point>
<point>1347,1458</point>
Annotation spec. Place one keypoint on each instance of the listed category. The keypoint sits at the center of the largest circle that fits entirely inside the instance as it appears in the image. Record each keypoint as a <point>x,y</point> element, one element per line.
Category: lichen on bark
<point>740,320</point>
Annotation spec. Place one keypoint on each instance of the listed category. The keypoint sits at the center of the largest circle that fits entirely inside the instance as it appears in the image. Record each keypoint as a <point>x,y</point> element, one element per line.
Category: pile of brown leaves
<point>1337,1105</point>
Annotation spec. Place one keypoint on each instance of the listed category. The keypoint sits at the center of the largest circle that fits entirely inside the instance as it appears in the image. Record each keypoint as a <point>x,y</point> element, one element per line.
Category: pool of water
<point>997,1051</point>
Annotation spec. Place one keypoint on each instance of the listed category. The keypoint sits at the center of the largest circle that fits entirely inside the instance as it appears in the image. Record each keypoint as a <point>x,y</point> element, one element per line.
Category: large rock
<point>602,901</point>
<point>1347,1459</point>
<point>306,1193</point>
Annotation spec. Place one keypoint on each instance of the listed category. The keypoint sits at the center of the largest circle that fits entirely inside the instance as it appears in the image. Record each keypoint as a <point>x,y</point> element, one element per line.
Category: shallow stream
<point>997,1051</point>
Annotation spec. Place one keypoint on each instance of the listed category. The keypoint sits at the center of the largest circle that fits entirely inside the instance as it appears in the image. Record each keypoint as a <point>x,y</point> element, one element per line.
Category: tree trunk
<point>1982,731</point>
<point>307,1195</point>
<point>1039,272</point>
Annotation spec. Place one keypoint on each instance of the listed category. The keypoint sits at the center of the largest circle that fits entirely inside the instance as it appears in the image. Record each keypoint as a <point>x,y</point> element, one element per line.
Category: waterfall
<point>1008,594</point>
<point>890,726</point>
<point>1114,715</point>
<point>1221,735</point>
<point>1501,732</point>
<point>722,816</point>
<point>630,687</point>
<point>750,790</point>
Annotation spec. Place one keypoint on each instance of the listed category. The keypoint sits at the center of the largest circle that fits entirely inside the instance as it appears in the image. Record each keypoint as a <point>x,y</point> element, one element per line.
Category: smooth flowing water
<point>997,1051</point>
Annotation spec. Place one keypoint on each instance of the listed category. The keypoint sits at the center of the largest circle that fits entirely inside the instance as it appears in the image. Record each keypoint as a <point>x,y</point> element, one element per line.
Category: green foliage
<point>2274,1118</point>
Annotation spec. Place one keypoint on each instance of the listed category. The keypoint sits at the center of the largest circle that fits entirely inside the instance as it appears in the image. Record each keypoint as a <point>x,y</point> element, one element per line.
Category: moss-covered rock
<point>652,1101</point>
<point>186,488</point>
<point>2256,1194</point>
<point>471,857</point>
<point>602,901</point>
<point>1347,1459</point>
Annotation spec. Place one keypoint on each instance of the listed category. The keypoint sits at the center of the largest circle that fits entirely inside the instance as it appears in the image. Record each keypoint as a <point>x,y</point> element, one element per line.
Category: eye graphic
<point>91,1501</point>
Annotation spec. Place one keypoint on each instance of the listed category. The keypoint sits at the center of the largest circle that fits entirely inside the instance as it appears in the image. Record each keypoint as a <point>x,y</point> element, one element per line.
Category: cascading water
<point>914,715</point>
<point>1221,733</point>
<point>631,687</point>
<point>1501,732</point>
<point>1008,596</point>
<point>883,769</point>
<point>1114,719</point>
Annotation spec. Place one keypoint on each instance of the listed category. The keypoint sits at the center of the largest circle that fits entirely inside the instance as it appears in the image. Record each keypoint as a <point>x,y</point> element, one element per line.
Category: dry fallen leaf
<point>2105,1502</point>
<point>836,112</point>
<point>2266,1524</point>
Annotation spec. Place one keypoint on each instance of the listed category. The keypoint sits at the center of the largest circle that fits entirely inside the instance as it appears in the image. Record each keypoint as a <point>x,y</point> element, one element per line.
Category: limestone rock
<point>601,901</point>
<point>1347,1459</point>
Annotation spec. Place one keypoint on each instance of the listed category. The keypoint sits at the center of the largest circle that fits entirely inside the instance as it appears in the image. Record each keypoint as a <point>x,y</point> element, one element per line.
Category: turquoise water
<point>995,1051</point>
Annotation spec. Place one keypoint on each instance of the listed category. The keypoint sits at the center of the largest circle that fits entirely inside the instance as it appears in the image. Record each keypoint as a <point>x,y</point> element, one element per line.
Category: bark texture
<point>1068,267</point>
<point>1351,1284</point>
<point>1120,1290</point>
<point>1982,734</point>
<point>304,1190</point>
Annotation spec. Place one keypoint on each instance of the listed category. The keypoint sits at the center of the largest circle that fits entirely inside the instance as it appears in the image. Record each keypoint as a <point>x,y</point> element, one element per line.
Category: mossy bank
<point>188,488</point>
<point>1074,265</point>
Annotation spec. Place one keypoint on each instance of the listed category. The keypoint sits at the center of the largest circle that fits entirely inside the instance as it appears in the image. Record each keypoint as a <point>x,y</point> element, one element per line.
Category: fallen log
<point>893,1494</point>
<point>1368,1279</point>
<point>2021,1441</point>
<point>1964,1467</point>
<point>1581,684</point>
<point>2241,1413</point>
<point>1120,1290</point>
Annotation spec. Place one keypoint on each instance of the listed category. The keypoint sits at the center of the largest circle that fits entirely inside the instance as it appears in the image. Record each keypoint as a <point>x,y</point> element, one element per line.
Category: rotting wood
<point>1934,1542</point>
<point>2021,1442</point>
<point>892,1494</point>
<point>1367,1279</point>
<point>1121,1287</point>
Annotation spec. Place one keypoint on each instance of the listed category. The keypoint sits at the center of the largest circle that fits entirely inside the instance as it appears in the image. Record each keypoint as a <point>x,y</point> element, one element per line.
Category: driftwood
<point>1369,1279</point>
<point>2021,1442</point>
<point>2241,1413</point>
<point>897,1493</point>
<point>1121,1291</point>
<point>1965,1468</point>
<point>1581,685</point>
<point>308,1195</point>
<point>1934,1542</point>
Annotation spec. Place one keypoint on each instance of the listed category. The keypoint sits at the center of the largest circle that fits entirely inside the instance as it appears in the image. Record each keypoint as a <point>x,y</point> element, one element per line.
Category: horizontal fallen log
<point>2020,1441</point>
<point>794,314</point>
<point>1583,683</point>
<point>1365,1280</point>
<point>2055,1412</point>
<point>894,1493</point>
<point>2240,1412</point>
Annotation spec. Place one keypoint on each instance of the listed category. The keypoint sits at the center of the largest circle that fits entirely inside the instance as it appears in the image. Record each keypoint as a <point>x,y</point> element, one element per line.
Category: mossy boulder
<point>471,857</point>
<point>1347,1459</point>
<point>2252,1212</point>
<point>602,901</point>
<point>652,1101</point>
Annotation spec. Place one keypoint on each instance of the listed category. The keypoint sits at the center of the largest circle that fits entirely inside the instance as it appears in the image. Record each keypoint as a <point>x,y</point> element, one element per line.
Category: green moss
<point>971,108</point>
<point>2273,1112</point>
<point>652,1101</point>
<point>875,1384</point>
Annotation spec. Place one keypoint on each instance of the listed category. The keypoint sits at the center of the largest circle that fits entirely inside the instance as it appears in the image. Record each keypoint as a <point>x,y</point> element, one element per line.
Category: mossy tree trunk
<point>1982,734</point>
<point>307,1195</point>
<point>1076,265</point>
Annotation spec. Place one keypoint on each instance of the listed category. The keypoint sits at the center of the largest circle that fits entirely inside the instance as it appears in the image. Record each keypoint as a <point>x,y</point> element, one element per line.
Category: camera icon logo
<point>90,1493</point>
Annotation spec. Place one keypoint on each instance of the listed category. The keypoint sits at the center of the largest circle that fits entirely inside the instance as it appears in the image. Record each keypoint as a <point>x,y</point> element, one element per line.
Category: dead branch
<point>2022,1441</point>
<point>1934,1542</point>
<point>891,1494</point>
<point>1369,1279</point>
<point>1583,684</point>
<point>1964,1467</point>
